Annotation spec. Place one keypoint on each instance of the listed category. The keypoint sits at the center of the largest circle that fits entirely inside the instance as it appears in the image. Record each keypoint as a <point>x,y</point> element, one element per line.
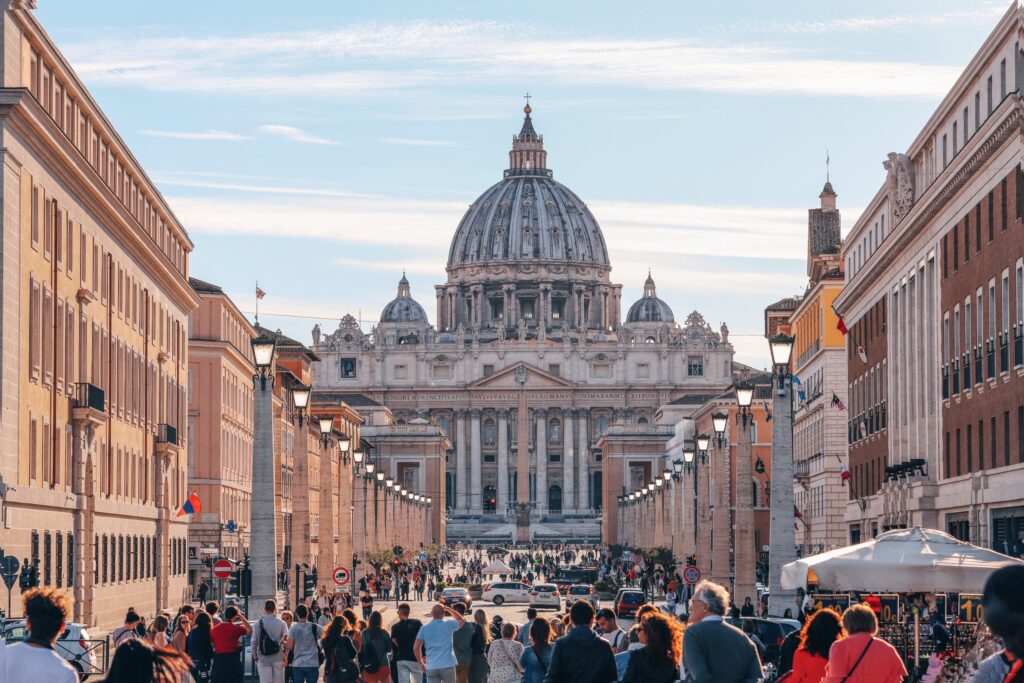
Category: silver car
<point>73,645</point>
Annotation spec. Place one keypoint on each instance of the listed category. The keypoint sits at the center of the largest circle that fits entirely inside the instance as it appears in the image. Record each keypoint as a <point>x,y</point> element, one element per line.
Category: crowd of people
<point>326,640</point>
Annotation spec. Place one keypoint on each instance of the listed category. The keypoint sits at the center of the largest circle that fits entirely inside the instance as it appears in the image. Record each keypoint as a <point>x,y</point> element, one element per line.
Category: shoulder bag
<point>857,663</point>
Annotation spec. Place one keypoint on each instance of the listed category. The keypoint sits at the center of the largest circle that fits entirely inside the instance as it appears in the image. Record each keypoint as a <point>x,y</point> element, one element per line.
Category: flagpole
<point>257,302</point>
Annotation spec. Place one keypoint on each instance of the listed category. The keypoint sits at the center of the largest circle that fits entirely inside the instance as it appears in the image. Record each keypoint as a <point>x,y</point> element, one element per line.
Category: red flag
<point>192,506</point>
<point>844,474</point>
<point>260,293</point>
<point>841,325</point>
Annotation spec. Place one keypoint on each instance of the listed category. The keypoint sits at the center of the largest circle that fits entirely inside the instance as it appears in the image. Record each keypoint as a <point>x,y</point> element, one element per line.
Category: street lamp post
<point>721,527</point>
<point>782,544</point>
<point>745,580</point>
<point>263,513</point>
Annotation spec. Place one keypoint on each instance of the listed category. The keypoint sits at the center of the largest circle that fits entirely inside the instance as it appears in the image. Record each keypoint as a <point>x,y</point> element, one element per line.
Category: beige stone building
<point>94,299</point>
<point>530,360</point>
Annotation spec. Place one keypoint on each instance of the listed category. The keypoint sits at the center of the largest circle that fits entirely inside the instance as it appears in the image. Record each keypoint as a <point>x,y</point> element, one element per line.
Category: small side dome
<point>649,308</point>
<point>403,308</point>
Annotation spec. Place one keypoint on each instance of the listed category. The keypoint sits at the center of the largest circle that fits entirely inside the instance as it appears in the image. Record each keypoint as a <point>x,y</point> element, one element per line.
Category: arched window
<point>642,421</point>
<point>554,430</point>
<point>555,499</point>
<point>489,432</point>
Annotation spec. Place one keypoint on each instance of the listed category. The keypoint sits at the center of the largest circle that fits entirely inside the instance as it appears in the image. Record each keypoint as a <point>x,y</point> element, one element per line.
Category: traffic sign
<point>222,568</point>
<point>691,575</point>
<point>398,550</point>
<point>341,576</point>
<point>638,560</point>
<point>626,555</point>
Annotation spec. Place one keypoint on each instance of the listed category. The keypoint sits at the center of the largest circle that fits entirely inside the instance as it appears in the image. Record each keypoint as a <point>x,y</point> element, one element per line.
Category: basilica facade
<point>529,361</point>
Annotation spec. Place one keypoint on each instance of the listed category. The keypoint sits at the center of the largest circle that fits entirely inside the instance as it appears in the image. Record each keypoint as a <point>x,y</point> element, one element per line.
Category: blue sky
<point>321,147</point>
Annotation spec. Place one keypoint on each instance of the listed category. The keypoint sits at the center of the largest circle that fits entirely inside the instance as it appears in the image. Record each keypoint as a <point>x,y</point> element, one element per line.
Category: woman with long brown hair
<point>136,661</point>
<point>811,657</point>
<point>536,658</point>
<point>658,660</point>
<point>339,653</point>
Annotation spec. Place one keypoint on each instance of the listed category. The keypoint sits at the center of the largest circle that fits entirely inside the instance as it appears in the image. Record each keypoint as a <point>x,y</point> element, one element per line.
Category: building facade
<point>94,301</point>
<point>933,301</point>
<point>819,362</point>
<point>530,360</point>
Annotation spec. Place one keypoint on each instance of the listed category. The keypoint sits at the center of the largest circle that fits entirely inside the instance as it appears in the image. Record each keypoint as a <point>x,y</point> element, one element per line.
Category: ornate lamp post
<point>782,548</point>
<point>263,514</point>
<point>721,527</point>
<point>745,584</point>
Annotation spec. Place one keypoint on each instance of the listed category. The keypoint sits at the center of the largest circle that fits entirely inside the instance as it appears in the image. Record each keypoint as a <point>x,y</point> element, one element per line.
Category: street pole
<point>263,516</point>
<point>783,534</point>
<point>744,573</point>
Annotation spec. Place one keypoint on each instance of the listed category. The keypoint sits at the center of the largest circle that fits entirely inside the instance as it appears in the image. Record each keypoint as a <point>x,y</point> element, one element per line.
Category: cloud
<point>414,142</point>
<point>295,134</point>
<point>200,135</point>
<point>256,189</point>
<point>859,24</point>
<point>397,58</point>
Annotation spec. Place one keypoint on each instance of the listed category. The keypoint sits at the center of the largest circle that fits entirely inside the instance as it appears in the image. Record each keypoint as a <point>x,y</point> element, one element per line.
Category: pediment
<point>536,378</point>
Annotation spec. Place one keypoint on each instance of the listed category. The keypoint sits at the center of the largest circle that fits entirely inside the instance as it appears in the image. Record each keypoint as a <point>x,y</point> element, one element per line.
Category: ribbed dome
<point>528,216</point>
<point>403,308</point>
<point>649,308</point>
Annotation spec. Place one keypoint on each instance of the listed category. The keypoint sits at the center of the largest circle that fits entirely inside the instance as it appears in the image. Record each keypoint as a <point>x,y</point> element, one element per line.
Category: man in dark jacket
<point>580,656</point>
<point>714,651</point>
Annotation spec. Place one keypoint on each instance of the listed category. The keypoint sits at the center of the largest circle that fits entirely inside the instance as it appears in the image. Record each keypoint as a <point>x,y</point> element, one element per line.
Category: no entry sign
<point>341,576</point>
<point>222,568</point>
<point>691,575</point>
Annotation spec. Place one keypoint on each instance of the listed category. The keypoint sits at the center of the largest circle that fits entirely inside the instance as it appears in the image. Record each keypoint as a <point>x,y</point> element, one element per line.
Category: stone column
<point>513,306</point>
<point>745,584</point>
<point>523,451</point>
<point>263,524</point>
<point>582,463</point>
<point>568,463</point>
<point>461,490</point>
<point>720,531</point>
<point>502,500</point>
<point>542,460</point>
<point>702,522</point>
<point>84,487</point>
<point>783,536</point>
<point>476,490</point>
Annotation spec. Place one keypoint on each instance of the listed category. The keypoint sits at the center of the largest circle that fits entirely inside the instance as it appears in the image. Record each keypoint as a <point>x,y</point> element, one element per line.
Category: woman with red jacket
<point>811,657</point>
<point>860,657</point>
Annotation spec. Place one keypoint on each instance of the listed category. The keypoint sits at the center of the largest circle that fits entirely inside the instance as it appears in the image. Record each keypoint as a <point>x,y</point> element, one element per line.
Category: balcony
<point>89,404</point>
<point>1004,352</point>
<point>166,439</point>
<point>1018,344</point>
<point>802,471</point>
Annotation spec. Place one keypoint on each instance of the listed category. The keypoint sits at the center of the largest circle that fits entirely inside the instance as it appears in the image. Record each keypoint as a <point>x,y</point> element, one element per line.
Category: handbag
<point>857,663</point>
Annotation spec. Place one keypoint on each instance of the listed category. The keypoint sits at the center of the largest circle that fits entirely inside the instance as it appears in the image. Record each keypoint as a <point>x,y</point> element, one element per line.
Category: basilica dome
<point>649,308</point>
<point>403,308</point>
<point>528,216</point>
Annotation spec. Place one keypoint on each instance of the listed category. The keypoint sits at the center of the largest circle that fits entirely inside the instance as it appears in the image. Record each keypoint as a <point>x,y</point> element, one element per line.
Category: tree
<point>379,558</point>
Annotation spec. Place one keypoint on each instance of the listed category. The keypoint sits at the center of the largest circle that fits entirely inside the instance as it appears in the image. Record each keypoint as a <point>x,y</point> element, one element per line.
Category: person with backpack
<point>128,631</point>
<point>269,636</point>
<point>374,651</point>
<point>340,664</point>
<point>304,641</point>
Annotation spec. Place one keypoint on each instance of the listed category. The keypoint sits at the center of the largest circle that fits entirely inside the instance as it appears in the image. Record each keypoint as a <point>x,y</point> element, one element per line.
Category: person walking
<point>609,630</point>
<point>816,638</point>
<point>136,661</point>
<point>481,642</point>
<point>536,659</point>
<point>156,635</point>
<point>375,651</point>
<point>403,637</point>
<point>46,612</point>
<point>199,648</point>
<point>366,603</point>
<point>340,665</point>
<point>269,637</point>
<point>523,636</point>
<point>226,638</point>
<point>503,657</point>
<point>304,641</point>
<point>462,643</point>
<point>204,590</point>
<point>580,656</point>
<point>860,657</point>
<point>709,638</point>
<point>658,660</point>
<point>179,637</point>
<point>127,631</point>
<point>433,646</point>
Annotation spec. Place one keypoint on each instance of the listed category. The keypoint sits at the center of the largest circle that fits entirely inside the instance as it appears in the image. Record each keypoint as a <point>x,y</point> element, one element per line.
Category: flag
<point>844,474</point>
<point>862,354</point>
<point>767,412</point>
<point>840,323</point>
<point>192,506</point>
<point>260,293</point>
<point>836,402</point>
<point>799,388</point>
<point>796,511</point>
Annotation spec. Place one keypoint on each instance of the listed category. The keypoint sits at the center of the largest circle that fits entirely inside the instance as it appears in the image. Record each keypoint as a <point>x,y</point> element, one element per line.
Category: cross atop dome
<point>528,156</point>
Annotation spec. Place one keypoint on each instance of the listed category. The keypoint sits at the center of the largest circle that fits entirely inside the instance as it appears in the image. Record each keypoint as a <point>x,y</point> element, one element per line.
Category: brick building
<point>933,303</point>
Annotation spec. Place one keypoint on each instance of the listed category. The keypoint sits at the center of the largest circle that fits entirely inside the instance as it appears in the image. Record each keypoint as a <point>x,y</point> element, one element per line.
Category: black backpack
<point>267,645</point>
<point>344,663</point>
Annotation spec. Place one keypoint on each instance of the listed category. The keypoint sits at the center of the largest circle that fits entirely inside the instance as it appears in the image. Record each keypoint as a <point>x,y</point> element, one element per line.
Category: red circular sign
<point>691,575</point>
<point>222,568</point>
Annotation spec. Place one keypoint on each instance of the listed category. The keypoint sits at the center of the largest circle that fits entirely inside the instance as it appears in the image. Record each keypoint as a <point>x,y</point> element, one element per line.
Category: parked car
<point>506,591</point>
<point>788,625</point>
<point>628,601</point>
<point>582,591</point>
<point>451,596</point>
<point>568,576</point>
<point>771,633</point>
<point>545,595</point>
<point>73,645</point>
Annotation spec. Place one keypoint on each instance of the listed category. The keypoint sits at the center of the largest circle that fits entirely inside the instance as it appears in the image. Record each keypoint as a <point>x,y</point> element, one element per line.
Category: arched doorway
<point>555,499</point>
<point>490,498</point>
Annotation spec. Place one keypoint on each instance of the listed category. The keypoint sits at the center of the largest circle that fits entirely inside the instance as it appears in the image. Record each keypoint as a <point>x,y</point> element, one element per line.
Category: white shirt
<point>21,662</point>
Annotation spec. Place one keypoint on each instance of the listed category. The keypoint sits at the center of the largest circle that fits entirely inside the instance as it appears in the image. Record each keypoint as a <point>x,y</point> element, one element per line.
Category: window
<point>643,370</point>
<point>945,154</point>
<point>557,309</point>
<point>1002,79</point>
<point>989,86</point>
<point>554,430</point>
<point>490,433</point>
<point>977,110</point>
<point>991,216</point>
<point>695,366</point>
<point>1002,205</point>
<point>555,369</point>
<point>965,126</point>
<point>497,309</point>
<point>954,139</point>
<point>600,424</point>
<point>401,371</point>
<point>526,309</point>
<point>488,370</point>
<point>348,368</point>
<point>442,371</point>
<point>601,370</point>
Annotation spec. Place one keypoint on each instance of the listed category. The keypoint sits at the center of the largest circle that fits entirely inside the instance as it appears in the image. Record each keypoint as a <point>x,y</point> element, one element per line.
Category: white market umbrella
<point>497,567</point>
<point>914,560</point>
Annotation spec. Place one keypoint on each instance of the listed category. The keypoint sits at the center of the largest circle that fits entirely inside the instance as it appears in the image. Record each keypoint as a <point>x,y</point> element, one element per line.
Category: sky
<point>321,148</point>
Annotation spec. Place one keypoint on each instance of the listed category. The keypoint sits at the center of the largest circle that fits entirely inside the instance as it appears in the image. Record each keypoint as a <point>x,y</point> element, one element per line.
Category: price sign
<point>836,601</point>
<point>890,612</point>
<point>969,608</point>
